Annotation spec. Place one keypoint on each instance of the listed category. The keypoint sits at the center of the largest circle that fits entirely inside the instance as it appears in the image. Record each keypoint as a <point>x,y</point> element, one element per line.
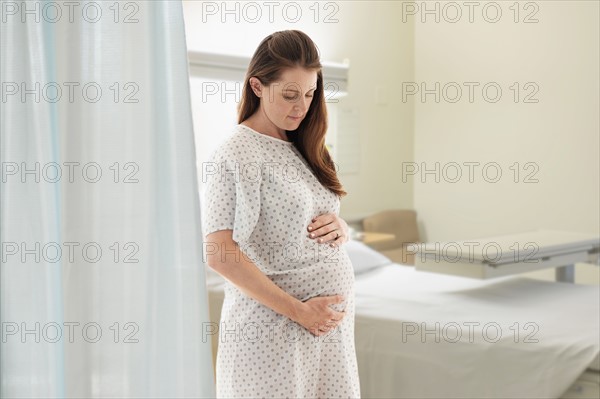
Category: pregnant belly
<point>333,275</point>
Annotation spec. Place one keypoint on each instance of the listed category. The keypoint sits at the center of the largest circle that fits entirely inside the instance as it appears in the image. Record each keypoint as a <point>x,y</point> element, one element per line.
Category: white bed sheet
<point>393,300</point>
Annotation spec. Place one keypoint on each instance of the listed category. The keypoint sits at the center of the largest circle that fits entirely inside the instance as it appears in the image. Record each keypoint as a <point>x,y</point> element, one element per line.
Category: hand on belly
<point>317,315</point>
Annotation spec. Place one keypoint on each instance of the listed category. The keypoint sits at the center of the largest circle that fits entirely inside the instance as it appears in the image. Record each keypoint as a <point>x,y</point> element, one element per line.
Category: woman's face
<point>285,102</point>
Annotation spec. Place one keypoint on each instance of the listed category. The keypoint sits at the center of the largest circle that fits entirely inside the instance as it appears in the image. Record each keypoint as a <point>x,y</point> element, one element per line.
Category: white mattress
<point>394,300</point>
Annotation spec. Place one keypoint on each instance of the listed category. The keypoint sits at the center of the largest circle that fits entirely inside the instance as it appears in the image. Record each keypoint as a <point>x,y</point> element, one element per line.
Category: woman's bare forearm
<point>246,276</point>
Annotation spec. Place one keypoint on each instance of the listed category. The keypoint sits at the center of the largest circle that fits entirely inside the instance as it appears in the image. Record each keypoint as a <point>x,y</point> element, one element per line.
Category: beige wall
<point>381,52</point>
<point>559,135</point>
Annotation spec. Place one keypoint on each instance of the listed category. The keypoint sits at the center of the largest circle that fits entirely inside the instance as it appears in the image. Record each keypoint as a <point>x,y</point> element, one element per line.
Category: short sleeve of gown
<point>231,193</point>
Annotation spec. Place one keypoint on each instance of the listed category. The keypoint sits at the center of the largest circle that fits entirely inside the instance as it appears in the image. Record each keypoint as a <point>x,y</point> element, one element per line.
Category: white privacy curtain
<point>102,282</point>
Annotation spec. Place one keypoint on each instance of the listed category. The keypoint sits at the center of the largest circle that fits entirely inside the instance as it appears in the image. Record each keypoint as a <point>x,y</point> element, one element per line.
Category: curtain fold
<point>102,282</point>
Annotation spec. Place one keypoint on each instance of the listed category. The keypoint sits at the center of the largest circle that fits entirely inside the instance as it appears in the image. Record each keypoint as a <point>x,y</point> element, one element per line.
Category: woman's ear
<point>256,86</point>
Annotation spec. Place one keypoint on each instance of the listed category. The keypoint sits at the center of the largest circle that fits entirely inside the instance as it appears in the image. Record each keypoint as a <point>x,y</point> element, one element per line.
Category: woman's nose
<point>303,105</point>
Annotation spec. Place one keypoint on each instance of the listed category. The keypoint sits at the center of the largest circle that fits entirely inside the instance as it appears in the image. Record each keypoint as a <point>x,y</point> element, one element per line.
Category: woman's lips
<point>295,118</point>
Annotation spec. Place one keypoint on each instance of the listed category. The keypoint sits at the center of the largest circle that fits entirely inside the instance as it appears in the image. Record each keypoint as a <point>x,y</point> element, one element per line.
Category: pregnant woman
<point>270,218</point>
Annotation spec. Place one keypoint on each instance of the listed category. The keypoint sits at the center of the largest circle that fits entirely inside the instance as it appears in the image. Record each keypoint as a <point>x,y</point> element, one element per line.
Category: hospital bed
<point>509,254</point>
<point>430,335</point>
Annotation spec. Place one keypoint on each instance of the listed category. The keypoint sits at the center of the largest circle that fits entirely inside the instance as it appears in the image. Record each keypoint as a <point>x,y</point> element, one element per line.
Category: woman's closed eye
<point>294,97</point>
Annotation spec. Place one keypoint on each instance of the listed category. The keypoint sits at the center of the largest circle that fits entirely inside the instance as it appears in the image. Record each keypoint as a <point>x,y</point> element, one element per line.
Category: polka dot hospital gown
<point>261,188</point>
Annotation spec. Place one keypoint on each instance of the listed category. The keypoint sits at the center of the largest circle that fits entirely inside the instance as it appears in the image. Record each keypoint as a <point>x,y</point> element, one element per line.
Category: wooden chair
<point>400,222</point>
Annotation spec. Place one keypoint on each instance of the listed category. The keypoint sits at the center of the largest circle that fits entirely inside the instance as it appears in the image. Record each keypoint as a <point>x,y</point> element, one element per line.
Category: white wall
<point>560,133</point>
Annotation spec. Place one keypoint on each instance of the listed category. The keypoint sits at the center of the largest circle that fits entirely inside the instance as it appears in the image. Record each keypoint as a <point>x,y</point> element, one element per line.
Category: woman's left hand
<point>329,228</point>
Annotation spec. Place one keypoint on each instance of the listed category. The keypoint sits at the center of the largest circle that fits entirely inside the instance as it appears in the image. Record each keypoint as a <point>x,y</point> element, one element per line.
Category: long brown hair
<point>290,49</point>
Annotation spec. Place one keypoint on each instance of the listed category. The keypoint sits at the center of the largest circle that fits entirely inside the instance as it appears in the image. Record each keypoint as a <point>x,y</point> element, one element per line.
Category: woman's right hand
<point>318,317</point>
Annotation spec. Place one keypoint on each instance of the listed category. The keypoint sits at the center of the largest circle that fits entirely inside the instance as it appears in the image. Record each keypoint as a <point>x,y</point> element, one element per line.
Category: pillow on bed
<point>363,257</point>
